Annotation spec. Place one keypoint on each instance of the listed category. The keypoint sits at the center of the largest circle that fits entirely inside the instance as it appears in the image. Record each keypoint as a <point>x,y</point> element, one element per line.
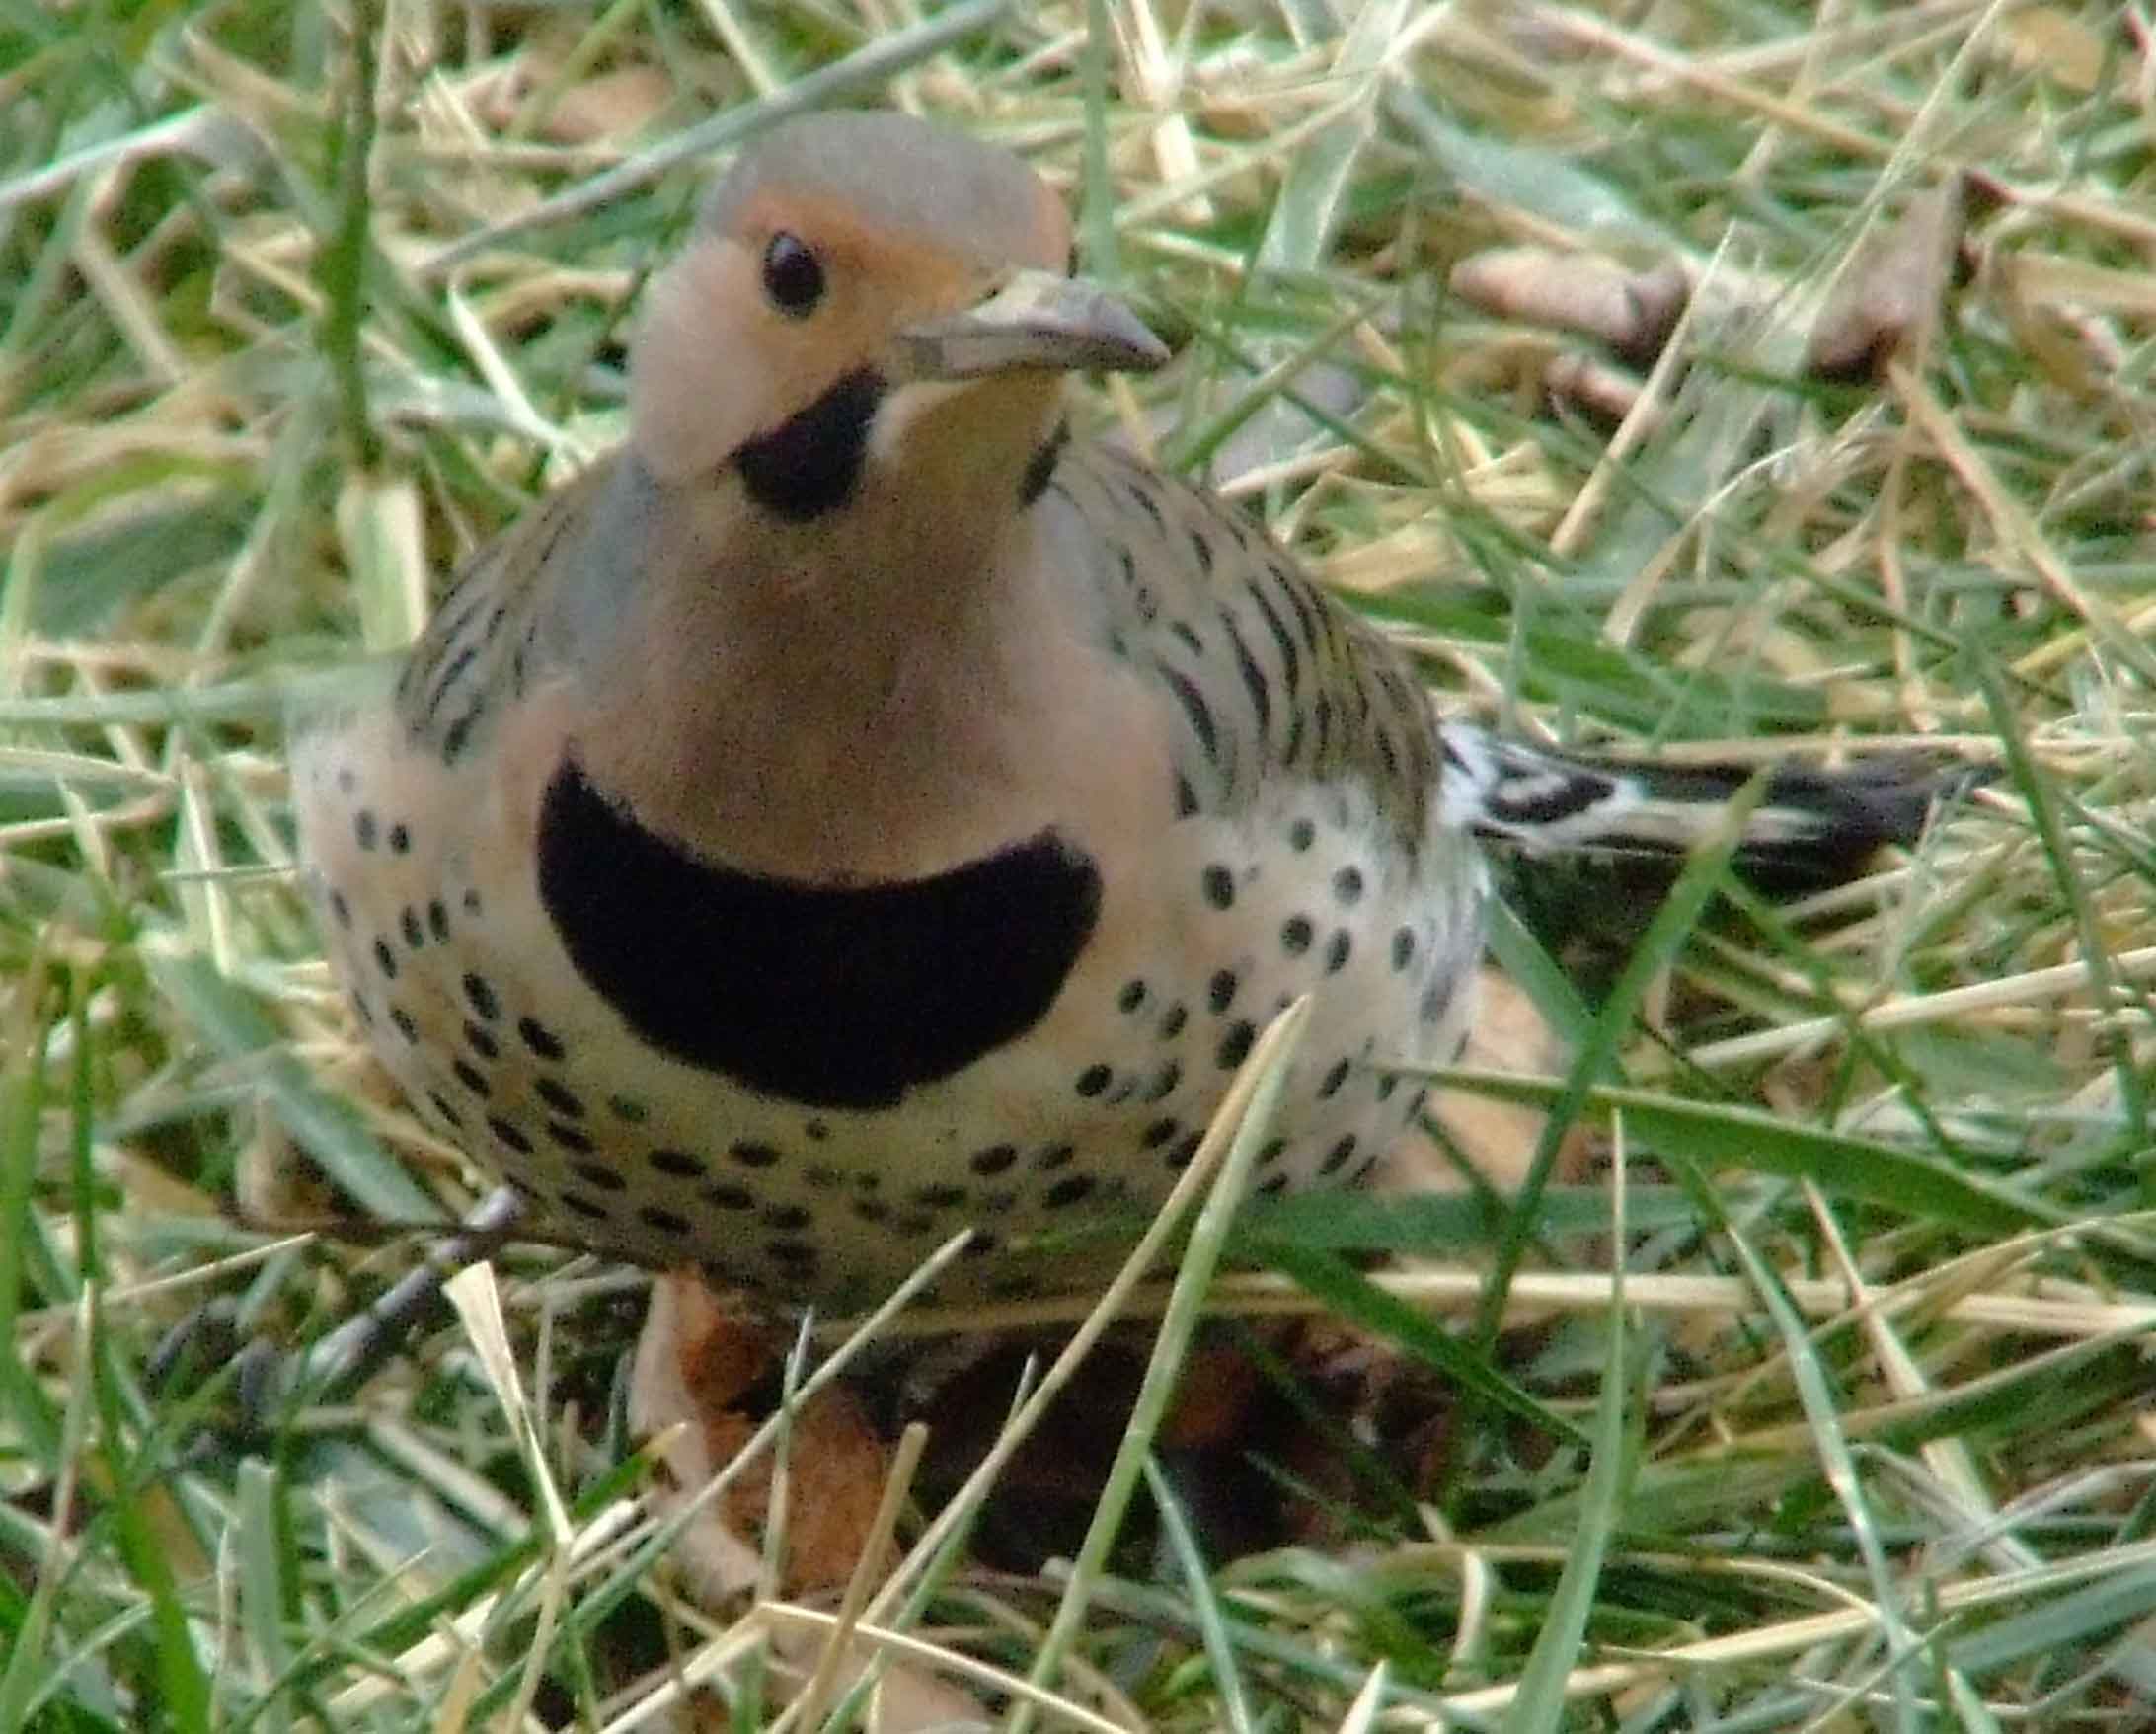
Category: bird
<point>857,809</point>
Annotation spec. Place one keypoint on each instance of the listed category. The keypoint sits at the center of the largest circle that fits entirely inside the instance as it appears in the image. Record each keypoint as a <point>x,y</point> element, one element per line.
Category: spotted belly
<point>785,1165</point>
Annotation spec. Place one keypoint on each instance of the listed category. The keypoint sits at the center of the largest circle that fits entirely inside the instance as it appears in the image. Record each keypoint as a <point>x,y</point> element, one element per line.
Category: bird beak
<point>1036,320</point>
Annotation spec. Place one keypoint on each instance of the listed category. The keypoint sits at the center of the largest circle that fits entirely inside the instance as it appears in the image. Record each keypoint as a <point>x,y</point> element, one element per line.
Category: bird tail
<point>1812,828</point>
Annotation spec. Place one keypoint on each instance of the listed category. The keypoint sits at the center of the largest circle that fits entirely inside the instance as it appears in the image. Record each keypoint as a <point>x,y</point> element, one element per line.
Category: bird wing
<point>1271,681</point>
<point>483,647</point>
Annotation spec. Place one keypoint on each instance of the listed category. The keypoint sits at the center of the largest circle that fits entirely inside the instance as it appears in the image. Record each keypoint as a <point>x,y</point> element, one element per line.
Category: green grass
<point>289,320</point>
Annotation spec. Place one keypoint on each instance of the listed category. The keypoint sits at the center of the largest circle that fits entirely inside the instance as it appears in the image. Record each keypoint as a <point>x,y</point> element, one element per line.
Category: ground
<point>1713,380</point>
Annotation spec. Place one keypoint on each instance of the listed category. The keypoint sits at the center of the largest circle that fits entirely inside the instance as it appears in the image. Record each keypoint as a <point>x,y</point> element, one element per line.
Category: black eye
<point>792,276</point>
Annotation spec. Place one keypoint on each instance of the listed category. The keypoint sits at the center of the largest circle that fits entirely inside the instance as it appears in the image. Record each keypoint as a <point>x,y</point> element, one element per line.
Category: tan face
<point>797,282</point>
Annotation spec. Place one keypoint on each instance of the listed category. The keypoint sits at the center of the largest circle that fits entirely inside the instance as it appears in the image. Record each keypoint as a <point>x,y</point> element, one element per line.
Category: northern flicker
<point>855,809</point>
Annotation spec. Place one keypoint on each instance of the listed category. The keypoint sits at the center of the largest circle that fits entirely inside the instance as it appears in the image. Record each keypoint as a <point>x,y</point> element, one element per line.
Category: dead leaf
<point>1633,312</point>
<point>695,1363</point>
<point>608,105</point>
<point>1885,303</point>
<point>2054,42</point>
<point>1599,390</point>
<point>1892,293</point>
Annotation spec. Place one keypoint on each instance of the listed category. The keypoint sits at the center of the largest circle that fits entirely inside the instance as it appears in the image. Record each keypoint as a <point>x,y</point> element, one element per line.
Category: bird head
<point>867,293</point>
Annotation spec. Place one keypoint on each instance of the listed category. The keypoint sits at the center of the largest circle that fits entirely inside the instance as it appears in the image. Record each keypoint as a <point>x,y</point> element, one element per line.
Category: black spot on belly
<point>833,996</point>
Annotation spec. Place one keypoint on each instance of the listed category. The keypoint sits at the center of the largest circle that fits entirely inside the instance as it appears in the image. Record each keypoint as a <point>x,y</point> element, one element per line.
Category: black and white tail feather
<point>1811,827</point>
